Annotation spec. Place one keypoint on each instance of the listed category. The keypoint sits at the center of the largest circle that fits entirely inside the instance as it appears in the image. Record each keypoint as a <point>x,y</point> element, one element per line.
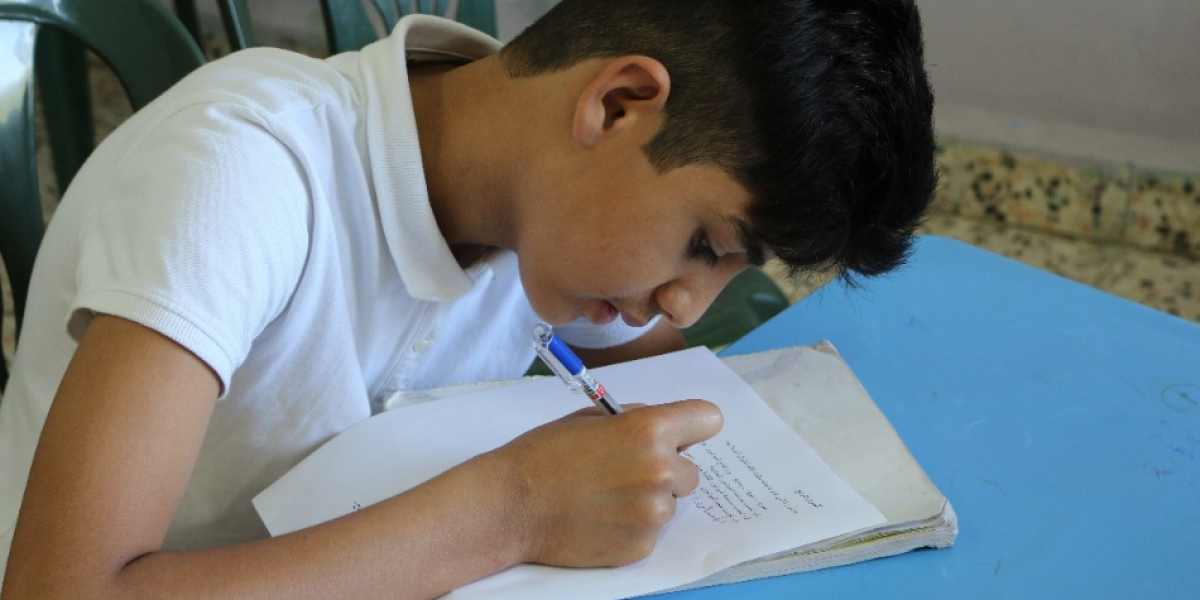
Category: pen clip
<point>543,334</point>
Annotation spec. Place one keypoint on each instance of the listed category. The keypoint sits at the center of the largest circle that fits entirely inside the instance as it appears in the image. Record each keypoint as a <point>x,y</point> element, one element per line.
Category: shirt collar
<point>421,254</point>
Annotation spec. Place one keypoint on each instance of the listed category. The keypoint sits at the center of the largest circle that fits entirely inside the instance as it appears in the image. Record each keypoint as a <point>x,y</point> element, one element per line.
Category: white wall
<point>1117,80</point>
<point>1114,80</point>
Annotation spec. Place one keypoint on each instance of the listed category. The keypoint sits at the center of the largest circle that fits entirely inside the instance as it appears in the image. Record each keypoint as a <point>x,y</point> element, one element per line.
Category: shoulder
<point>267,80</point>
<point>252,113</point>
<point>250,89</point>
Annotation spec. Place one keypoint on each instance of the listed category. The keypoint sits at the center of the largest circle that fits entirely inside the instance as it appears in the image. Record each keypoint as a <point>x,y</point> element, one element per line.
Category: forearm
<point>114,460</point>
<point>452,530</point>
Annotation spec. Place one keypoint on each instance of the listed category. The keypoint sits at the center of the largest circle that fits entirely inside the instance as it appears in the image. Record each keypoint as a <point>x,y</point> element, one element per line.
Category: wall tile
<point>1012,188</point>
<point>1164,213</point>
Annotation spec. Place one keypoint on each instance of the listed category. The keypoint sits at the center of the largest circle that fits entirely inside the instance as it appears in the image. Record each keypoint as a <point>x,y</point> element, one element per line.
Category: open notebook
<point>771,502</point>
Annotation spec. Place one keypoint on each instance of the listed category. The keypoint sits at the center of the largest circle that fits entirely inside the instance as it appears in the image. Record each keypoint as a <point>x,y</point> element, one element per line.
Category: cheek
<point>543,287</point>
<point>628,274</point>
<point>565,271</point>
<point>628,251</point>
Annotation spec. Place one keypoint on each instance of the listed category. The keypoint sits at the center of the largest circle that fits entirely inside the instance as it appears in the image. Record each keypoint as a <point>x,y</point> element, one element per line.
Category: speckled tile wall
<point>1130,232</point>
<point>1001,186</point>
<point>1144,209</point>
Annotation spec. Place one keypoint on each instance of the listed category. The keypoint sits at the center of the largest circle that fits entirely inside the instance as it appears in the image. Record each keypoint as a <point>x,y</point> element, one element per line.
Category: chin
<point>557,322</point>
<point>553,318</point>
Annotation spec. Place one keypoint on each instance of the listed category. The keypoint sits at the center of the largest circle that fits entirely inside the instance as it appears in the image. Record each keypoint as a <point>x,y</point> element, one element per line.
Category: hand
<point>595,489</point>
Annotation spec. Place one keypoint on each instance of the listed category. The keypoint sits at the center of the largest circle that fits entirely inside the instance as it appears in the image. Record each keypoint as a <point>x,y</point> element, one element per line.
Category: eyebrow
<point>754,248</point>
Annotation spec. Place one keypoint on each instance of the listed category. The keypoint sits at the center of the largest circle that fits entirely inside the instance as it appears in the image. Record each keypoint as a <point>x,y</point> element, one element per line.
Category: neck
<point>467,151</point>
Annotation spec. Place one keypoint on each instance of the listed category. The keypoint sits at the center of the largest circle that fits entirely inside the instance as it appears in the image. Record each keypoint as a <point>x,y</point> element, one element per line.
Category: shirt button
<point>422,346</point>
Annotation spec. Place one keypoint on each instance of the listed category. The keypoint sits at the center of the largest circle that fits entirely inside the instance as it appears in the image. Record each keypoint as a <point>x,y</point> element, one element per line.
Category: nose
<point>683,301</point>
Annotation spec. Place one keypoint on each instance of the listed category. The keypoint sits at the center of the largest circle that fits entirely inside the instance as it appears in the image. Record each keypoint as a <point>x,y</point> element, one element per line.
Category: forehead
<point>712,185</point>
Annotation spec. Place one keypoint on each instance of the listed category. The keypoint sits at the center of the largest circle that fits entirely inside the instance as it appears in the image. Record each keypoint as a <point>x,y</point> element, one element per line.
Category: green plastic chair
<point>144,45</point>
<point>349,27</point>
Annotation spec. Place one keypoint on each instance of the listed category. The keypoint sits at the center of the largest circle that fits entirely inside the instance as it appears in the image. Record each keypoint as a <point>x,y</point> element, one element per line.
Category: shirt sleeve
<point>584,334</point>
<point>200,233</point>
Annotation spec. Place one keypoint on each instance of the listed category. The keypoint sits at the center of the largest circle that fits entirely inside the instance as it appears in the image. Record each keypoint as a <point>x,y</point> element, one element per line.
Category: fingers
<point>686,478</point>
<point>689,422</point>
<point>596,411</point>
<point>588,411</point>
<point>596,489</point>
<point>686,422</point>
<point>671,428</point>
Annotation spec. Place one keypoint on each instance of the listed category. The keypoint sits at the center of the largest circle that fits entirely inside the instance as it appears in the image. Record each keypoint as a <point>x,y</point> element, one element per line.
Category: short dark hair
<point>821,109</point>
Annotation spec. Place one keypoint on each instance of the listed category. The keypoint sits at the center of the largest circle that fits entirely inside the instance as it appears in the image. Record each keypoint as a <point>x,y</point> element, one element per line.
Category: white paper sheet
<point>763,489</point>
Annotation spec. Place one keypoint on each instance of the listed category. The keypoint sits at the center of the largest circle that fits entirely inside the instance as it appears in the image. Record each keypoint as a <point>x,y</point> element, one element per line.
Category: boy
<point>252,262</point>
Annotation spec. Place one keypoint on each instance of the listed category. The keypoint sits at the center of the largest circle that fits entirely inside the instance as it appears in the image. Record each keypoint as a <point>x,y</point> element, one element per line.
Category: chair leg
<point>236,16</point>
<point>62,75</point>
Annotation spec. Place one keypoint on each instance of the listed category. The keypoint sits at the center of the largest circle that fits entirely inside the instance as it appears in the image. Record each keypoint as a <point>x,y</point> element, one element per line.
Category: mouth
<point>633,321</point>
<point>603,313</point>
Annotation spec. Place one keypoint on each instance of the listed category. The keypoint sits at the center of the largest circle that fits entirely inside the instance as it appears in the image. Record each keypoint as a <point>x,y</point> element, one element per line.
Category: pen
<point>563,362</point>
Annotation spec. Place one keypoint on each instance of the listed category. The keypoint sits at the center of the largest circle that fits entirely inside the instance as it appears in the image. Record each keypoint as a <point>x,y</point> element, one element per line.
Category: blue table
<point>1062,422</point>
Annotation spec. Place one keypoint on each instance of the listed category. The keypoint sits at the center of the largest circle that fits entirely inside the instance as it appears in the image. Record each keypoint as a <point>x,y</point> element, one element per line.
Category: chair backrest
<point>146,48</point>
<point>348,26</point>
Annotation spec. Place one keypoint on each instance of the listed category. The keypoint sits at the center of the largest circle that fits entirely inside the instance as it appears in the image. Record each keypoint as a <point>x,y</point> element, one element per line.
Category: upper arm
<point>114,457</point>
<point>200,231</point>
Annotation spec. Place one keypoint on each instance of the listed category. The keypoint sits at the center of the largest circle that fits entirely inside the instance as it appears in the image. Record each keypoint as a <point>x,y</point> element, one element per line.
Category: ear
<point>628,90</point>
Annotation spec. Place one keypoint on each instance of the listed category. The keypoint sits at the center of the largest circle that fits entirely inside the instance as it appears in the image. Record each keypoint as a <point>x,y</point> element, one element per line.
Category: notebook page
<point>763,489</point>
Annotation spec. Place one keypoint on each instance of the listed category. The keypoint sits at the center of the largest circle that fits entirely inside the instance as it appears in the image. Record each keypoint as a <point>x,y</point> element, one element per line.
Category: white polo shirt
<point>269,213</point>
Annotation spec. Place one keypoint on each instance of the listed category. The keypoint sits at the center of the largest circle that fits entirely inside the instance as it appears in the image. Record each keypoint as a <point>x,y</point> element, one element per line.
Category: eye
<point>703,250</point>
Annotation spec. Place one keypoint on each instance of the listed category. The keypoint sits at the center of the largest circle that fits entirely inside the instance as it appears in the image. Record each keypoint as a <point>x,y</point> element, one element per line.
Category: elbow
<point>43,581</point>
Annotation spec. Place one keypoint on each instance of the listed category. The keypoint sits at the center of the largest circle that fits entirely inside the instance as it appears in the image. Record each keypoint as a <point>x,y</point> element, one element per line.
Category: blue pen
<point>563,362</point>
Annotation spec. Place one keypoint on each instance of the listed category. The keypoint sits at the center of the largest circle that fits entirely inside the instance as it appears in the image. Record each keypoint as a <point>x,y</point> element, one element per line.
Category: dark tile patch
<point>1008,160</point>
<point>1163,214</point>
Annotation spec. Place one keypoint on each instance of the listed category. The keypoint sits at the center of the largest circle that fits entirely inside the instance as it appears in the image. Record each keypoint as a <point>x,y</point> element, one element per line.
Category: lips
<point>603,313</point>
<point>633,321</point>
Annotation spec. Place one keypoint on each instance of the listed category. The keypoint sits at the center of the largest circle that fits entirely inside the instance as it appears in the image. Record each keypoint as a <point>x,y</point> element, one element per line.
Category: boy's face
<point>600,233</point>
<point>619,240</point>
